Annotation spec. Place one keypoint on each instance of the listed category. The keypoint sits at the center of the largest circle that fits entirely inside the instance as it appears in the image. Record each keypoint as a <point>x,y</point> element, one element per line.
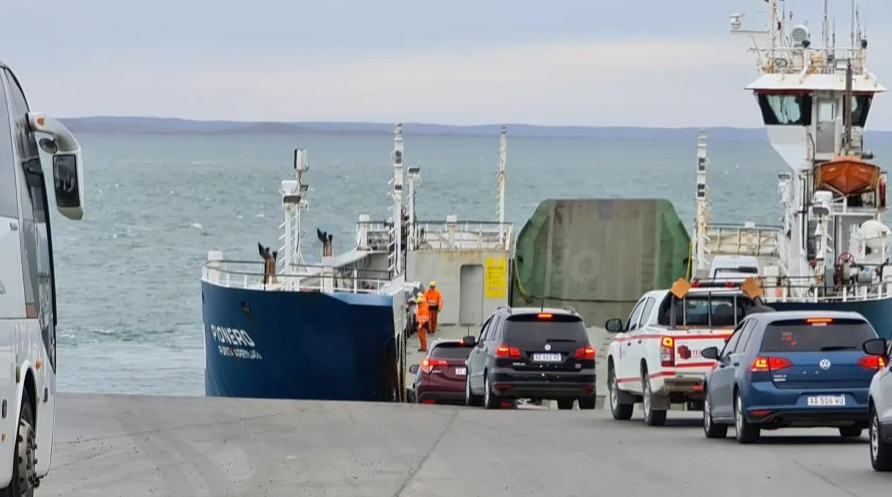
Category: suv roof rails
<point>570,309</point>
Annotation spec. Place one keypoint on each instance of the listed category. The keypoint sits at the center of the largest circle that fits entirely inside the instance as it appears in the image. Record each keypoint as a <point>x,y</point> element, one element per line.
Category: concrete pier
<point>138,446</point>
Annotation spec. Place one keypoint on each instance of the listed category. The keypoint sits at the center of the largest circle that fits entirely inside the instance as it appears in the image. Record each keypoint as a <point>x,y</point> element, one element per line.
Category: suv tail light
<point>584,353</point>
<point>506,351</point>
<point>872,362</point>
<point>667,352</point>
<point>765,364</point>
<point>427,365</point>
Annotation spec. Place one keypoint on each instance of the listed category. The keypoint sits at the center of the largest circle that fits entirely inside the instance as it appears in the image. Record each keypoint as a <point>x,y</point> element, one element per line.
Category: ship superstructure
<point>831,248</point>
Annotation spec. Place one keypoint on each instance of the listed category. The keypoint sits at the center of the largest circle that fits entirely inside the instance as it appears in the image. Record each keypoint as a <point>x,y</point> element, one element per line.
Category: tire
<point>710,429</point>
<point>471,399</point>
<point>565,404</point>
<point>587,403</point>
<point>747,433</point>
<point>850,431</point>
<point>651,417</point>
<point>622,412</point>
<point>490,400</point>
<point>880,451</point>
<point>24,474</point>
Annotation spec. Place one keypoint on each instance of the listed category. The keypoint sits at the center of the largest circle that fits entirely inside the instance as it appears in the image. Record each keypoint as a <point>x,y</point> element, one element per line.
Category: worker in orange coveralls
<point>434,304</point>
<point>422,319</point>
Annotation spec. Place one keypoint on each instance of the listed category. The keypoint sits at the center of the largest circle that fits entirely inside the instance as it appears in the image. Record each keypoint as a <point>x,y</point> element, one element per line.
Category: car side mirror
<point>469,341</point>
<point>413,369</point>
<point>614,325</point>
<point>710,353</point>
<point>875,346</point>
<point>68,185</point>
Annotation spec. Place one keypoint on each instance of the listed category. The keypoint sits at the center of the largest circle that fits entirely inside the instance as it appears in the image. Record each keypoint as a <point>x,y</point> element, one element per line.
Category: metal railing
<point>298,277</point>
<point>734,239</point>
<point>795,60</point>
<point>807,289</point>
<point>443,235</point>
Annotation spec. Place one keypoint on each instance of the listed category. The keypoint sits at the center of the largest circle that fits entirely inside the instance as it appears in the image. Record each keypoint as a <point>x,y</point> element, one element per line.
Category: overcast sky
<point>573,62</point>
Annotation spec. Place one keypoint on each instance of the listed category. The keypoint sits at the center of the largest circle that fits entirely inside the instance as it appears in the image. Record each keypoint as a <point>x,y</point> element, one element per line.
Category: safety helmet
<point>433,283</point>
<point>420,298</point>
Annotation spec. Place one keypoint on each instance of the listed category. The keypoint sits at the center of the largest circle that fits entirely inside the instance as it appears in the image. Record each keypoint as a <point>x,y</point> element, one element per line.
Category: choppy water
<point>128,275</point>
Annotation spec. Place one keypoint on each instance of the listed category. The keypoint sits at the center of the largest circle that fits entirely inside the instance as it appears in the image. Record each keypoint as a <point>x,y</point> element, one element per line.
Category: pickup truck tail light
<point>667,352</point>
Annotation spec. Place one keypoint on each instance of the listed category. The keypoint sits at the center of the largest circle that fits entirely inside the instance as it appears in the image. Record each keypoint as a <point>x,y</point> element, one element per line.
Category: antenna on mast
<point>825,30</point>
<point>854,29</point>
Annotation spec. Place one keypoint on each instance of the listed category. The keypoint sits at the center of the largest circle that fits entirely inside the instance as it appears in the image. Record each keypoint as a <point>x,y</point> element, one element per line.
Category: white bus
<point>27,282</point>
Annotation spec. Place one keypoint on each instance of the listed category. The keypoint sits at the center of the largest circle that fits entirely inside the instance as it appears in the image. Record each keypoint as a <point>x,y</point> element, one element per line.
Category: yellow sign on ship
<point>496,278</point>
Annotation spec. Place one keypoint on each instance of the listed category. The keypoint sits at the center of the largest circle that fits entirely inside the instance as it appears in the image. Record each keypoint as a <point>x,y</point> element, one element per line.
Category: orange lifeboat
<point>847,176</point>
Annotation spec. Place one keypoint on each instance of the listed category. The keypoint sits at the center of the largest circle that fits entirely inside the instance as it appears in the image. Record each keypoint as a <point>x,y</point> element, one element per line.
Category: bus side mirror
<point>68,184</point>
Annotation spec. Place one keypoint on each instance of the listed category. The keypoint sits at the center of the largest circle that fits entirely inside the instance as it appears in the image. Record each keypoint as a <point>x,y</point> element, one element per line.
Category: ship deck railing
<point>444,235</point>
<point>744,239</point>
<point>810,289</point>
<point>793,60</point>
<point>301,277</point>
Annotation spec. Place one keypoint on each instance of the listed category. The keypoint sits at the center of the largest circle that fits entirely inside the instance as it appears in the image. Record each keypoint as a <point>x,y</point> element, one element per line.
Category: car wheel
<point>587,403</point>
<point>747,433</point>
<point>880,451</point>
<point>565,404</point>
<point>651,417</point>
<point>710,429</point>
<point>850,431</point>
<point>490,400</point>
<point>619,411</point>
<point>470,398</point>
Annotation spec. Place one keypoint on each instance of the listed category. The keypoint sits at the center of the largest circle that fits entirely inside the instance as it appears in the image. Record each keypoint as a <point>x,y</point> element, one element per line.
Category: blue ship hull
<point>878,312</point>
<point>296,345</point>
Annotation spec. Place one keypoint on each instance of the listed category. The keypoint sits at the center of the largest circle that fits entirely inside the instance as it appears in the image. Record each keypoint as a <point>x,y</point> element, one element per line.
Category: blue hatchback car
<point>791,369</point>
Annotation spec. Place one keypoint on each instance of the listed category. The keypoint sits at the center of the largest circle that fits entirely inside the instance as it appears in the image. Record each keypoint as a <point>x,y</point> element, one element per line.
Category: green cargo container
<point>598,256</point>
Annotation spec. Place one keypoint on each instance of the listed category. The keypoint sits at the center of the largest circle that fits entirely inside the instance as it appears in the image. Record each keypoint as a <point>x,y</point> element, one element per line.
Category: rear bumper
<point>538,385</point>
<point>440,397</point>
<point>689,384</point>
<point>807,417</point>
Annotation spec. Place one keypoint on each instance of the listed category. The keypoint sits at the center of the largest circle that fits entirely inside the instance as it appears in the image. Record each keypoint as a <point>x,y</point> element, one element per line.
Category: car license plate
<point>827,400</point>
<point>546,357</point>
<point>461,371</point>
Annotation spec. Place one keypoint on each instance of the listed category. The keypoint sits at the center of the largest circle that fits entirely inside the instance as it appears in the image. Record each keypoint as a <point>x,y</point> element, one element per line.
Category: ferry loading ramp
<point>598,255</point>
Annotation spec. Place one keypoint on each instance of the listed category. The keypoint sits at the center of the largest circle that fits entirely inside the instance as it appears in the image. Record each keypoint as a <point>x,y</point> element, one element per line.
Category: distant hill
<point>155,125</point>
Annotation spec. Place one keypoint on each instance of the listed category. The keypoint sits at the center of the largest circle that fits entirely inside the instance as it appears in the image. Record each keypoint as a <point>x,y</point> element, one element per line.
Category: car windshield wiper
<point>838,347</point>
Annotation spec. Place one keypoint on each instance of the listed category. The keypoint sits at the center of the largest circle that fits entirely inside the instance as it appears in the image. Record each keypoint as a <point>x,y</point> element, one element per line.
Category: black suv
<point>532,353</point>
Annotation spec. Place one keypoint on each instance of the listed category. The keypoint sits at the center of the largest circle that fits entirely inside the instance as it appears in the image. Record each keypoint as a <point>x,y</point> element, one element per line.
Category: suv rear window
<point>450,351</point>
<point>816,334</point>
<point>545,326</point>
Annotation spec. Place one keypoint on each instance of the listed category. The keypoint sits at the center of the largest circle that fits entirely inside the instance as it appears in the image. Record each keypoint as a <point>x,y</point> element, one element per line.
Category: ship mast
<point>294,202</point>
<point>700,226</point>
<point>396,262</point>
<point>502,175</point>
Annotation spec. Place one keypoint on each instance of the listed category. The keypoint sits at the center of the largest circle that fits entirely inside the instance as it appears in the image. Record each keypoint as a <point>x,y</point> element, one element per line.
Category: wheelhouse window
<point>785,109</point>
<point>860,109</point>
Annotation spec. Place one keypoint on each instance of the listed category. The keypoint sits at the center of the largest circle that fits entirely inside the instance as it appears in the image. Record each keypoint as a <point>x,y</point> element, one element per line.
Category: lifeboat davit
<point>847,176</point>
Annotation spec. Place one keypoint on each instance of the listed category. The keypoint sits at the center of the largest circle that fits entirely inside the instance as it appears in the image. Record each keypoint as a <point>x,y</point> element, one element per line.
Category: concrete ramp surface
<point>194,446</point>
<point>598,256</point>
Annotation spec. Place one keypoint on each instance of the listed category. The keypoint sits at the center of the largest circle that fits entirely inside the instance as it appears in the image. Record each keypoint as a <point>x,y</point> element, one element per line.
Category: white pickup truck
<point>655,357</point>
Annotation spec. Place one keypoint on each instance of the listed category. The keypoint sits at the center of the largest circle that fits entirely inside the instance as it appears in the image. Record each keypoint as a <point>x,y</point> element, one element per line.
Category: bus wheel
<point>24,473</point>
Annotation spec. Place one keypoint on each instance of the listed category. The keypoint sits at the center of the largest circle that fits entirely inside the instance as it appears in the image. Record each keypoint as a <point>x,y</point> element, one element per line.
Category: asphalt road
<point>192,446</point>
